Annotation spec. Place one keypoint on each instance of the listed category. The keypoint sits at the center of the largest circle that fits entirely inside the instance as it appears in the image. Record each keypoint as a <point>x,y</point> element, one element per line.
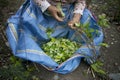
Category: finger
<point>71,24</point>
<point>60,14</point>
<point>57,17</point>
<point>73,27</point>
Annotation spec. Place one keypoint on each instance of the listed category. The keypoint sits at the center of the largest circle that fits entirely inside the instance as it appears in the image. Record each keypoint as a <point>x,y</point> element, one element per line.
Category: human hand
<point>56,13</point>
<point>76,19</point>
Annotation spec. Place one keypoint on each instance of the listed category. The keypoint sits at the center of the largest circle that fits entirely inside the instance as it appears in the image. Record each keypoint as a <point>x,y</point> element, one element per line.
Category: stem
<point>88,42</point>
<point>93,74</point>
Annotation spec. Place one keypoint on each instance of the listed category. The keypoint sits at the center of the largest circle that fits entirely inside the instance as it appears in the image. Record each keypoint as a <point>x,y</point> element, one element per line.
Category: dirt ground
<point>109,56</point>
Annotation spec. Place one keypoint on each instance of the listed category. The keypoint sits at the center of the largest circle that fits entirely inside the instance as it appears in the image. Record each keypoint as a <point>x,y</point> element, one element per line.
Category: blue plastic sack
<point>26,32</point>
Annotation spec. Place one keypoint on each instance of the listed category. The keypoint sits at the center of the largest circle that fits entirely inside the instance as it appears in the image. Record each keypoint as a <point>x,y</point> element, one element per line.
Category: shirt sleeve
<point>43,4</point>
<point>79,6</point>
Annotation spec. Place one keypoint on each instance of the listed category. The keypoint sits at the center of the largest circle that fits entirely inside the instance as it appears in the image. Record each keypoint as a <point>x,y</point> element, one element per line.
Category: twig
<point>93,74</point>
<point>88,70</point>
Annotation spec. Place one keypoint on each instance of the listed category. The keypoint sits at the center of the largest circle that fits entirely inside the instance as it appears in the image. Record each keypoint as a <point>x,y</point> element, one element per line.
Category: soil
<point>109,56</point>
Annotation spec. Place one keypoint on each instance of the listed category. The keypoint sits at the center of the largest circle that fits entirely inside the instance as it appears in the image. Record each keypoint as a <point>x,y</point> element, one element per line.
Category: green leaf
<point>97,68</point>
<point>103,21</point>
<point>91,30</point>
<point>104,45</point>
<point>13,59</point>
<point>77,24</point>
<point>60,8</point>
<point>49,31</point>
<point>86,25</point>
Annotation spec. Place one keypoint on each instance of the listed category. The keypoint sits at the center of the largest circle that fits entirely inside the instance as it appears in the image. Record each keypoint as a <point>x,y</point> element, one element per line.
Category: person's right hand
<point>56,13</point>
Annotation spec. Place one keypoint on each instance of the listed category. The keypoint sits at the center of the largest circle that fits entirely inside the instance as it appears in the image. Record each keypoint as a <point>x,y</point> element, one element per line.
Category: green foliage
<point>103,21</point>
<point>60,49</point>
<point>49,31</point>
<point>16,70</point>
<point>104,45</point>
<point>84,28</point>
<point>97,67</point>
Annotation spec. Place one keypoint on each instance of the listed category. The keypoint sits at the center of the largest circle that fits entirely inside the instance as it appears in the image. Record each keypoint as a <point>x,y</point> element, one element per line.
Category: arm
<point>78,11</point>
<point>45,5</point>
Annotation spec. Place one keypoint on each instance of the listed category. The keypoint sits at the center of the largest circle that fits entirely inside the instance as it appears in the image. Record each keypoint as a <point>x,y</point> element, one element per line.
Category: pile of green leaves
<point>60,49</point>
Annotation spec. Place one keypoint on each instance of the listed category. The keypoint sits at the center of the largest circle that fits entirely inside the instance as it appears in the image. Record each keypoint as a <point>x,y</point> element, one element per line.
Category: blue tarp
<point>26,32</point>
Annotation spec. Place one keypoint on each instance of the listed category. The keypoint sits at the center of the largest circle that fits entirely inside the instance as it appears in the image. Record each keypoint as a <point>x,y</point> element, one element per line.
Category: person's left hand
<point>76,19</point>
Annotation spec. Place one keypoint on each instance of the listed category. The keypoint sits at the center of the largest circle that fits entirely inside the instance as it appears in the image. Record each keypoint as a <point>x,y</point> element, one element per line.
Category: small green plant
<point>103,21</point>
<point>85,29</point>
<point>104,45</point>
<point>89,33</point>
<point>16,70</point>
<point>97,68</point>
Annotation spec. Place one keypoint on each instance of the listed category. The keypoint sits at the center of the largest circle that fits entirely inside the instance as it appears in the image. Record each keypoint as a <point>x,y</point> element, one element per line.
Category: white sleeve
<point>43,4</point>
<point>79,6</point>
